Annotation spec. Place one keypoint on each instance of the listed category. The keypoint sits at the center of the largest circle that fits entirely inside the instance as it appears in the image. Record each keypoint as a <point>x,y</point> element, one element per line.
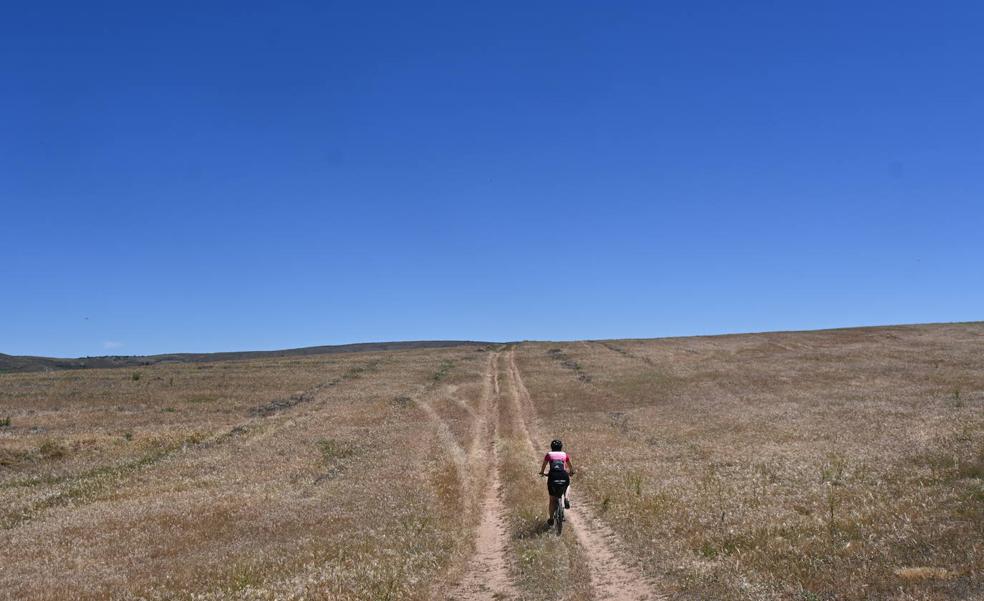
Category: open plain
<point>839,464</point>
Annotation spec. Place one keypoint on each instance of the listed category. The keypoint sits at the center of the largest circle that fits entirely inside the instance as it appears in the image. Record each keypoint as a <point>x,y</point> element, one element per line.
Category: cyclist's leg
<point>551,505</point>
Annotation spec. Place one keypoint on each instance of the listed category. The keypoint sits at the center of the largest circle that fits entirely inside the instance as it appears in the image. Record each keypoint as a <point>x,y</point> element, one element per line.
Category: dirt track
<point>488,572</point>
<point>487,575</point>
<point>611,578</point>
<point>487,578</point>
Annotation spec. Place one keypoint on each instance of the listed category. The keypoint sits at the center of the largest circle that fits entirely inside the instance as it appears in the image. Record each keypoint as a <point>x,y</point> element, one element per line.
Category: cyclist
<point>559,477</point>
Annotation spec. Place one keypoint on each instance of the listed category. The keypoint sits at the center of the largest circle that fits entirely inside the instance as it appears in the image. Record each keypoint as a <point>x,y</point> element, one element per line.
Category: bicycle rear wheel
<point>559,517</point>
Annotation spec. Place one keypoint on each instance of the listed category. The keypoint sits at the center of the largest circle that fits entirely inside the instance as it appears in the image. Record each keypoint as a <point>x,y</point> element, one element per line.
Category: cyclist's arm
<point>544,465</point>
<point>570,464</point>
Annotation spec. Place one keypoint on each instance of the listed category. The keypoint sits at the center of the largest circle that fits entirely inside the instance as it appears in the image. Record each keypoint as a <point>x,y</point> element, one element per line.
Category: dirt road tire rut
<point>611,578</point>
<point>487,576</point>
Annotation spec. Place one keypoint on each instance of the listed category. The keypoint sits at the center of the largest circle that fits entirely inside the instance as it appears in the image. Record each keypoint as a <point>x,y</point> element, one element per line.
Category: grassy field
<point>818,465</point>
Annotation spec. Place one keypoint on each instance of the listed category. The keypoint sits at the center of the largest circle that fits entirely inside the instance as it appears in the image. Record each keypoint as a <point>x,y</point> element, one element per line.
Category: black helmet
<point>556,445</point>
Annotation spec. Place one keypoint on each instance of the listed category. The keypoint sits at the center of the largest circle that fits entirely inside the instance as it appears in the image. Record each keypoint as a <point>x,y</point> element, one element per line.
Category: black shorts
<point>557,483</point>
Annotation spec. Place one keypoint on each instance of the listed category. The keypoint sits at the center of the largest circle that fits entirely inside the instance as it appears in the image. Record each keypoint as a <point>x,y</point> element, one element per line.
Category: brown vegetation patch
<point>565,361</point>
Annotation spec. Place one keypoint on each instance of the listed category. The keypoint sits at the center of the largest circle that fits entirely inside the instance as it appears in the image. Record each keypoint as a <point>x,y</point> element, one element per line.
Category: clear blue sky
<point>204,176</point>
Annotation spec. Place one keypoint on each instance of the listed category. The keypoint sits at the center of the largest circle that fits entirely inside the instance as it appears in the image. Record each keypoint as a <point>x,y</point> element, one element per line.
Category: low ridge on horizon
<point>30,363</point>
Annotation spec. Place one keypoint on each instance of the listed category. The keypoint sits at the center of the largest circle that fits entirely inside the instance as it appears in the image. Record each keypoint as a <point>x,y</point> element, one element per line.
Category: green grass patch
<point>443,370</point>
<point>333,450</point>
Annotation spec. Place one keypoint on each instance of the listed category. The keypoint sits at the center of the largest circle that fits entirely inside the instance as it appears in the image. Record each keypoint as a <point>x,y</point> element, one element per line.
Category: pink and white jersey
<point>560,456</point>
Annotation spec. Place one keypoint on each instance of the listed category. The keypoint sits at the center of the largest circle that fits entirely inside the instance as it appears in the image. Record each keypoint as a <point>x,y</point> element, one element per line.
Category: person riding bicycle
<point>559,476</point>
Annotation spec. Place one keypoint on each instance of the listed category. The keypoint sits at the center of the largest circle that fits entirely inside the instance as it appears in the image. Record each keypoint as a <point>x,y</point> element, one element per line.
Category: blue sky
<point>231,176</point>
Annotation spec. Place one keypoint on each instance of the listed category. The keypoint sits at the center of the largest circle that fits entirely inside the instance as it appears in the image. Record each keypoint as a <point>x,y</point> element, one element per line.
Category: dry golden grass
<point>841,464</point>
<point>174,484</point>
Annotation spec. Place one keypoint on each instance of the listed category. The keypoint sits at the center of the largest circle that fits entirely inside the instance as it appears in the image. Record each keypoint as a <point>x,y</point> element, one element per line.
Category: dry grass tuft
<point>920,574</point>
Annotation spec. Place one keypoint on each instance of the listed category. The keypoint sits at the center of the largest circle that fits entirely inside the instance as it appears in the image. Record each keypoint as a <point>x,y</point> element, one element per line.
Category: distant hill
<point>14,363</point>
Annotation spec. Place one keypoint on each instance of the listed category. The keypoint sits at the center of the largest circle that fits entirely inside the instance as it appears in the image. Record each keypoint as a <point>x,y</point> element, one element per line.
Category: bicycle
<point>558,514</point>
